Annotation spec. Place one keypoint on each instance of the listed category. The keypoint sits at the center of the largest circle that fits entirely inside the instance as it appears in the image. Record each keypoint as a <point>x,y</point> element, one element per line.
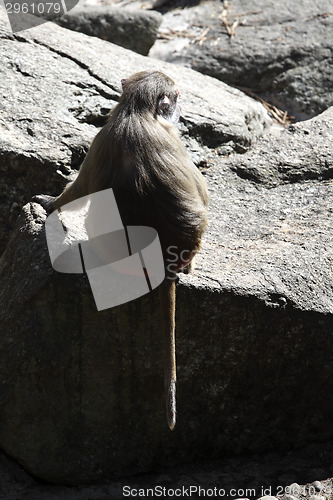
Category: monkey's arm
<point>74,189</point>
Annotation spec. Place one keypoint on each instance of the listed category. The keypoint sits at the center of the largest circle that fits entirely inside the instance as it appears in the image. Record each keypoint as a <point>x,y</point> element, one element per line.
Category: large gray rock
<point>275,223</point>
<point>283,52</point>
<point>133,29</point>
<point>274,473</point>
<point>82,391</point>
<point>65,93</point>
<point>278,159</point>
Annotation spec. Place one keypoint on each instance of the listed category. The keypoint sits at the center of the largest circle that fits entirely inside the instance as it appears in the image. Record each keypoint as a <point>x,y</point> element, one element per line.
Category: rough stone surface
<point>276,243</point>
<point>283,54</point>
<point>134,30</point>
<point>273,473</point>
<point>301,152</point>
<point>46,128</point>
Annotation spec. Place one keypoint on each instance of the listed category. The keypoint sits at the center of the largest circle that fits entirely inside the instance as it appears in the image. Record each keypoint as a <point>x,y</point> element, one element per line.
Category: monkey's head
<point>151,92</point>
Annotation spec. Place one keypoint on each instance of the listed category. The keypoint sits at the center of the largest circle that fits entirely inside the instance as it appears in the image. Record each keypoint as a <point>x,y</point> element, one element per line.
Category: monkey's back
<point>163,189</point>
<point>153,179</point>
<point>155,183</point>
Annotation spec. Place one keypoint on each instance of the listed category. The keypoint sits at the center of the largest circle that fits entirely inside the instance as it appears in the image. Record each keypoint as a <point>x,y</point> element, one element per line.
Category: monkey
<point>139,154</point>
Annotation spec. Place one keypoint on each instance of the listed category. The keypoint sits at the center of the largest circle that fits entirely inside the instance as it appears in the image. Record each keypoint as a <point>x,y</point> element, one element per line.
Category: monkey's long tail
<point>167,292</point>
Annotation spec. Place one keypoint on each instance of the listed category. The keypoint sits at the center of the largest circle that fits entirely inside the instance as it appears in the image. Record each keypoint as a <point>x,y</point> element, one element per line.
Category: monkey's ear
<point>123,81</point>
<point>164,104</point>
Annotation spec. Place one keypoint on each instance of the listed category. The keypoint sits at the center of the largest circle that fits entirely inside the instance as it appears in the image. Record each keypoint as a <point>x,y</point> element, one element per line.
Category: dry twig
<point>171,34</point>
<point>201,38</point>
<point>279,115</point>
<point>226,15</point>
<point>230,27</point>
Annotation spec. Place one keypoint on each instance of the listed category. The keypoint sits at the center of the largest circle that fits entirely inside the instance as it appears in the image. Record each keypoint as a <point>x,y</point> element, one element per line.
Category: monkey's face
<point>151,92</point>
<point>169,108</point>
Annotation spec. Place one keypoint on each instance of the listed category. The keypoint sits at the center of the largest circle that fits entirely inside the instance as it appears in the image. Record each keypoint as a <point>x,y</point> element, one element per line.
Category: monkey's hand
<point>45,200</point>
<point>189,268</point>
